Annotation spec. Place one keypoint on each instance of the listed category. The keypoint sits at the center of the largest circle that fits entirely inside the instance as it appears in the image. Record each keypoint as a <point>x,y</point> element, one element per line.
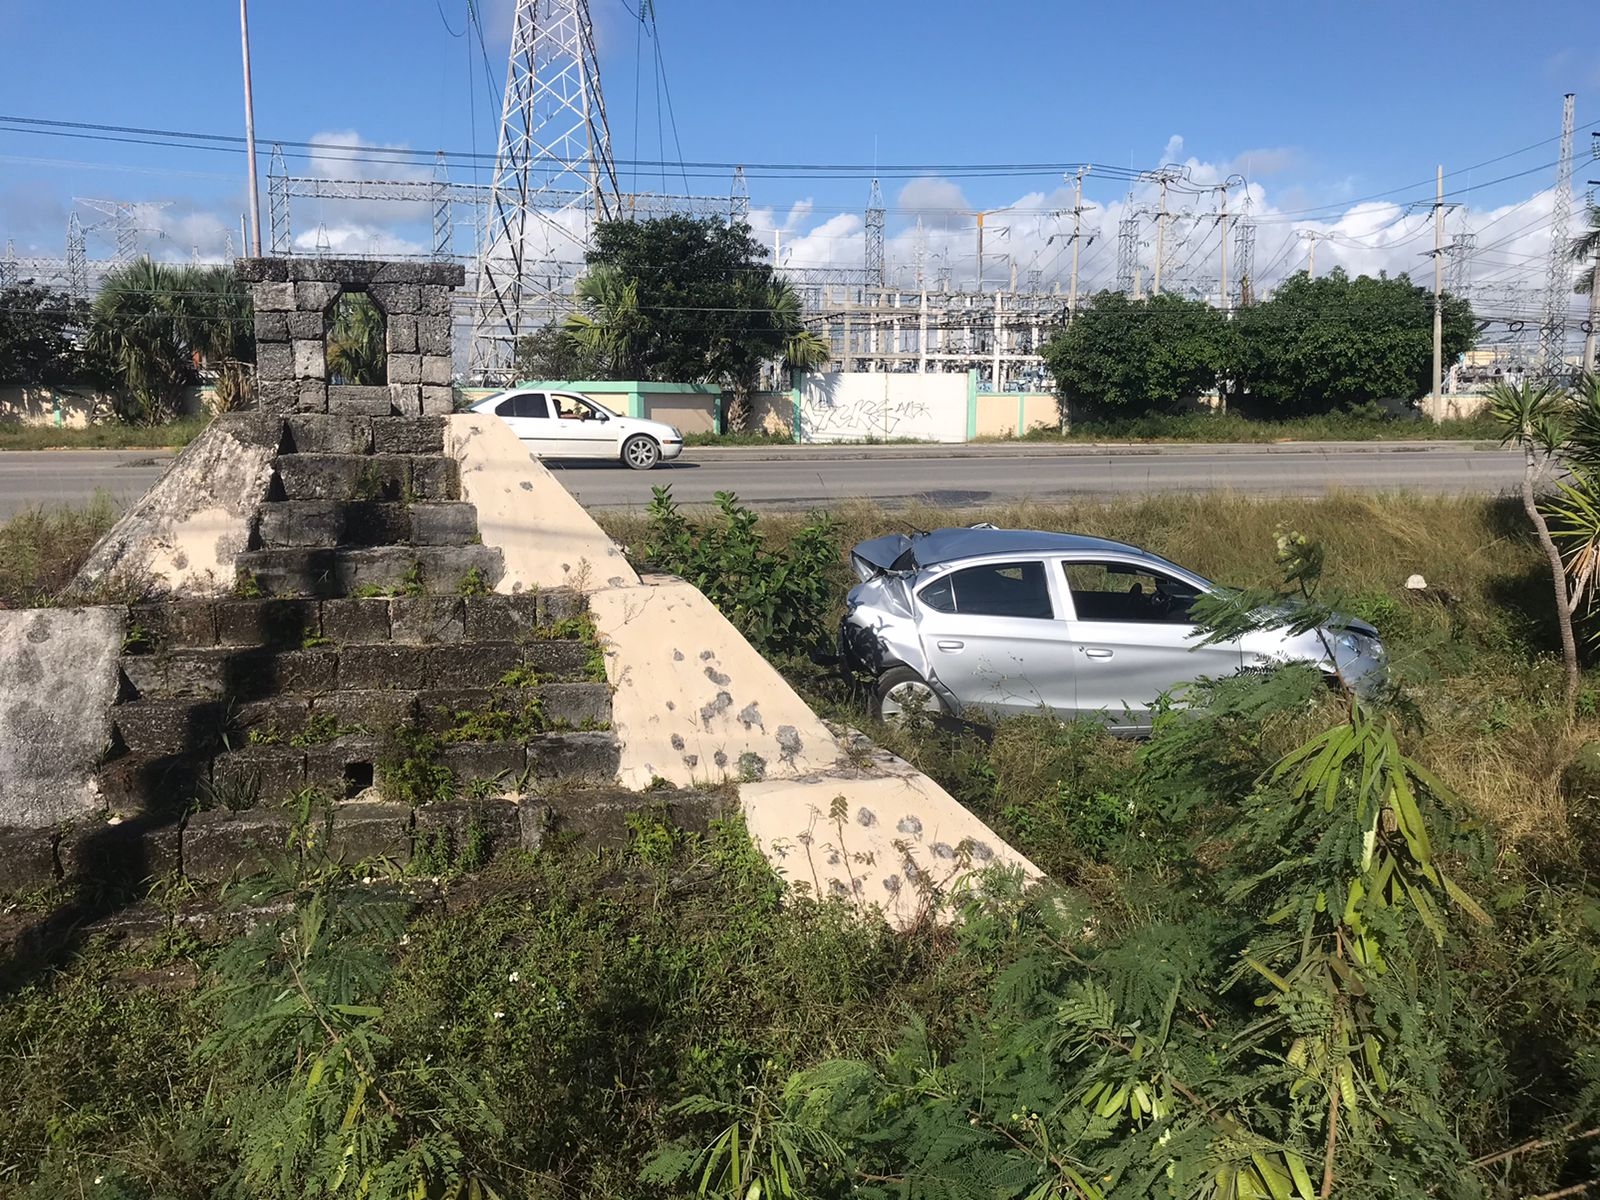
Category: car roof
<point>948,545</point>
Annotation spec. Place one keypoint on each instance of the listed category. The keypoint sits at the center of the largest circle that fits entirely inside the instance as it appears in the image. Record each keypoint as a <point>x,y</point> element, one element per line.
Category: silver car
<point>983,622</point>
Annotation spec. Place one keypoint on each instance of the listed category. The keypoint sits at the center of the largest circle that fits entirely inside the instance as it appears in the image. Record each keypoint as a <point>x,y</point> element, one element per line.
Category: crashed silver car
<point>983,622</point>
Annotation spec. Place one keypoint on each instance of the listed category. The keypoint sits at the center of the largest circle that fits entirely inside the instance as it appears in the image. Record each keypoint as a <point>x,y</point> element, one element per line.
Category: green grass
<point>110,436</point>
<point>1228,427</point>
<point>41,550</point>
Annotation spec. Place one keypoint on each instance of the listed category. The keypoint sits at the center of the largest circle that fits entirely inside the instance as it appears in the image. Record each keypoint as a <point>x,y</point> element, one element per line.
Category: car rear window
<point>1015,589</point>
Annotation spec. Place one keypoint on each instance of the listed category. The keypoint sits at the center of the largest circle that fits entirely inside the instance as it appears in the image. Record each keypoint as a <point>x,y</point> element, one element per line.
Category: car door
<point>579,429</point>
<point>991,637</point>
<point>1133,637</point>
<point>529,418</point>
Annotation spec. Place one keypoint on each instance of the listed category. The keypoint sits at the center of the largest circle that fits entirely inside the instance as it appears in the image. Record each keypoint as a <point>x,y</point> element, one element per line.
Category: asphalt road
<point>801,477</point>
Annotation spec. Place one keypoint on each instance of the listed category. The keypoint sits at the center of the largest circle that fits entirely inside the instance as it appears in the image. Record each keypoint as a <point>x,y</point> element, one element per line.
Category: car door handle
<point>1097,652</point>
<point>950,645</point>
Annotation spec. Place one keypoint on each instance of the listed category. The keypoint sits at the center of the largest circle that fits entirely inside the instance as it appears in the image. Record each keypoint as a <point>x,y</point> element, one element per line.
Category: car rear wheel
<point>641,452</point>
<point>901,695</point>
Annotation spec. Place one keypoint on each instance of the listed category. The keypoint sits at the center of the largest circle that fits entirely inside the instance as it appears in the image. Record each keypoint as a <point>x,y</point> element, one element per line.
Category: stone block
<point>407,435</point>
<point>220,845</point>
<point>123,854</point>
<point>344,477</point>
<point>272,297</point>
<point>308,326</point>
<point>373,401</point>
<point>437,274</point>
<point>497,618</point>
<point>435,478</point>
<point>443,523</point>
<point>437,369</point>
<point>438,709</point>
<point>560,604</point>
<point>27,860</point>
<point>435,303</point>
<point>405,368</point>
<point>557,659</point>
<point>173,623</point>
<point>331,434</point>
<point>401,335</point>
<point>467,664</point>
<point>131,784</point>
<point>382,666</point>
<point>259,674</point>
<point>533,822</point>
<point>575,704</point>
<point>355,620</point>
<point>470,762</point>
<point>273,326</point>
<point>464,833</point>
<point>314,296</point>
<point>274,362</point>
<point>158,728</point>
<point>406,399</point>
<point>366,830</point>
<point>201,674</point>
<point>434,333</point>
<point>272,622</point>
<point>259,270</point>
<point>252,428</point>
<point>423,620</point>
<point>311,396</point>
<point>397,299</point>
<point>309,359</point>
<point>277,395</point>
<point>438,401</point>
<point>569,755</point>
<point>368,712</point>
<point>271,721</point>
<point>254,776</point>
<point>300,523</point>
<point>344,767</point>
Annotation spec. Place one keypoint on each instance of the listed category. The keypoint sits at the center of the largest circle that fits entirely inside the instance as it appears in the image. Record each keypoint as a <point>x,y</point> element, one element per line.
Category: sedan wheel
<point>641,452</point>
<point>901,695</point>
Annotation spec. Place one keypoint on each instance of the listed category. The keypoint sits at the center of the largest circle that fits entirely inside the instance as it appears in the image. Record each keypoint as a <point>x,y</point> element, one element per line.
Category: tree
<point>610,331</point>
<point>1322,344</point>
<point>36,335</point>
<point>1131,357</point>
<point>136,330</point>
<point>1586,246</point>
<point>552,353</point>
<point>356,352</point>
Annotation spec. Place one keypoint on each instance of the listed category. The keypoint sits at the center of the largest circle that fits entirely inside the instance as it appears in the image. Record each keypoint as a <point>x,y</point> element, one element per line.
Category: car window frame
<point>999,561</point>
<point>1149,566</point>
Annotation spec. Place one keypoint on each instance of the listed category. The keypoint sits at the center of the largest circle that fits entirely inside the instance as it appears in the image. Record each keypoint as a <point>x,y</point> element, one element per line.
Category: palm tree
<point>1585,246</point>
<point>138,333</point>
<point>610,331</point>
<point>804,349</point>
<point>356,353</point>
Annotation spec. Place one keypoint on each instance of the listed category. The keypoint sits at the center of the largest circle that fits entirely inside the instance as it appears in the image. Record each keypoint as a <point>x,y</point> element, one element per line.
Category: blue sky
<point>1321,104</point>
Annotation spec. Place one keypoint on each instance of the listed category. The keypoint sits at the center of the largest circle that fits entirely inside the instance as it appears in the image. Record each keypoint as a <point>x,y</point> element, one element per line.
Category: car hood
<point>876,556</point>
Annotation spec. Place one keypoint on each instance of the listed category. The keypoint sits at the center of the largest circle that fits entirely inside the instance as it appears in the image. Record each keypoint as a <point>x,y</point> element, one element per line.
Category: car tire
<point>899,691</point>
<point>641,452</point>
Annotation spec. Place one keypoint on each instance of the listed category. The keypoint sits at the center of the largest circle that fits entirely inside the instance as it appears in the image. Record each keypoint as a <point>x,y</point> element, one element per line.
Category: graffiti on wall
<point>860,406</point>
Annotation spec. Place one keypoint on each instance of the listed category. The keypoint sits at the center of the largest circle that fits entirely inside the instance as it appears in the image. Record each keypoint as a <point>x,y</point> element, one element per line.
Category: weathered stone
<point>426,619</point>
<point>257,674</point>
<point>366,830</point>
<point>259,270</point>
<point>27,860</point>
<point>464,833</point>
<point>169,624</point>
<point>382,666</point>
<point>300,523</point>
<point>219,845</point>
<point>443,523</point>
<point>501,618</point>
<point>355,620</point>
<point>374,523</point>
<point>560,604</point>
<point>370,713</point>
<point>406,399</point>
<point>564,755</point>
<point>274,361</point>
<point>167,727</point>
<point>343,767</point>
<point>533,822</point>
<point>330,434</point>
<point>407,435</point>
<point>344,477</point>
<point>434,274</point>
<point>438,401</point>
<point>598,817</point>
<point>312,296</point>
<point>439,709</point>
<point>470,762</point>
<point>272,297</point>
<point>251,428</point>
<point>277,395</point>
<point>58,680</point>
<point>434,332</point>
<point>309,360</point>
<point>372,401</point>
<point>186,532</point>
<point>123,854</point>
<point>436,478</point>
<point>405,368</point>
<point>436,369</point>
<point>311,396</point>
<point>402,335</point>
<point>398,299</point>
<point>269,722</point>
<point>469,664</point>
<point>132,784</point>
<point>557,659</point>
<point>258,775</point>
<point>308,325</point>
<point>435,303</point>
<point>270,622</point>
<point>274,327</point>
<point>575,705</point>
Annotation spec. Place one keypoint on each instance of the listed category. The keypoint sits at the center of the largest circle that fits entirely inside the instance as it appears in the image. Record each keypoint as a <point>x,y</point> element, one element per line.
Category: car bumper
<point>671,449</point>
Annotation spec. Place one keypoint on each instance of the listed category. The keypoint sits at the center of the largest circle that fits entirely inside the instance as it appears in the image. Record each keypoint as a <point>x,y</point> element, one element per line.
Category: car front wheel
<point>641,452</point>
<point>901,695</point>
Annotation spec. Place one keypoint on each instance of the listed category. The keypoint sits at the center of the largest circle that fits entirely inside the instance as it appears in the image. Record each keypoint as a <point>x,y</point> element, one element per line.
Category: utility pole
<point>1438,287</point>
<point>1589,362</point>
<point>1161,237</point>
<point>1077,231</point>
<point>250,133</point>
<point>980,217</point>
<point>1313,237</point>
<point>1223,220</point>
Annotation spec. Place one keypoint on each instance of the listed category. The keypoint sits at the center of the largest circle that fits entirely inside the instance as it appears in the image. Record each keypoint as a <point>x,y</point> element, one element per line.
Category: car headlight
<point>1358,645</point>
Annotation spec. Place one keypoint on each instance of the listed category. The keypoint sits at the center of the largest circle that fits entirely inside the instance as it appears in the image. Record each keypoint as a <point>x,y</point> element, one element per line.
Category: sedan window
<point>1113,591</point>
<point>531,404</point>
<point>1014,589</point>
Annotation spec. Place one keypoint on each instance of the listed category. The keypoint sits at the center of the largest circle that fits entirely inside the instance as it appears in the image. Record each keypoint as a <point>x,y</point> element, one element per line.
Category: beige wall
<point>998,413</point>
<point>773,413</point>
<point>1454,406</point>
<point>37,406</point>
<point>690,413</point>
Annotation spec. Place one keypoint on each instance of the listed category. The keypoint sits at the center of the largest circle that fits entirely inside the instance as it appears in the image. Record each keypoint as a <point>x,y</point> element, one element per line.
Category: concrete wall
<point>1012,414</point>
<point>773,412</point>
<point>74,408</point>
<point>838,406</point>
<point>1454,406</point>
<point>691,414</point>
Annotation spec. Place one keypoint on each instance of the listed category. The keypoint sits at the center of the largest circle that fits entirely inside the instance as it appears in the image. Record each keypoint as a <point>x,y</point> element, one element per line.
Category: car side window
<point>1016,589</point>
<point>939,595</point>
<point>506,407</point>
<point>531,404</point>
<point>1113,591</point>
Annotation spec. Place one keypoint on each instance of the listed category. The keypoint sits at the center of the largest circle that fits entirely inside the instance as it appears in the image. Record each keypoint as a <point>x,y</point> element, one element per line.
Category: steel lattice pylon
<point>77,259</point>
<point>1127,252</point>
<point>1459,273</point>
<point>554,142</point>
<point>1558,278</point>
<point>278,203</point>
<point>874,244</point>
<point>1244,260</point>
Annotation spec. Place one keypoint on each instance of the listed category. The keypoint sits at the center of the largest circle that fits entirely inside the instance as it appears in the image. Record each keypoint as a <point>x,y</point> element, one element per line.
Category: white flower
<point>499,1016</point>
<point>513,977</point>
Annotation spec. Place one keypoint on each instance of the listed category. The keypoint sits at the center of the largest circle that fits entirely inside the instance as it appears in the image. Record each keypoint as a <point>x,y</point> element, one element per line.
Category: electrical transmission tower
<point>553,176</point>
<point>739,199</point>
<point>77,259</point>
<point>8,265</point>
<point>874,244</point>
<point>278,203</point>
<point>443,227</point>
<point>1244,260</point>
<point>1558,276</point>
<point>1127,252</point>
<point>1460,272</point>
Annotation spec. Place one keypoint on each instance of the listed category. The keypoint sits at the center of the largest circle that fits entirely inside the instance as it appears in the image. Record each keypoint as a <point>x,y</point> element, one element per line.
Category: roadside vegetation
<point>107,435</point>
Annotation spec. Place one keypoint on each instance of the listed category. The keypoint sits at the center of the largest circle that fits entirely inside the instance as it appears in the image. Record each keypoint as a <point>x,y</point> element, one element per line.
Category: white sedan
<point>566,425</point>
